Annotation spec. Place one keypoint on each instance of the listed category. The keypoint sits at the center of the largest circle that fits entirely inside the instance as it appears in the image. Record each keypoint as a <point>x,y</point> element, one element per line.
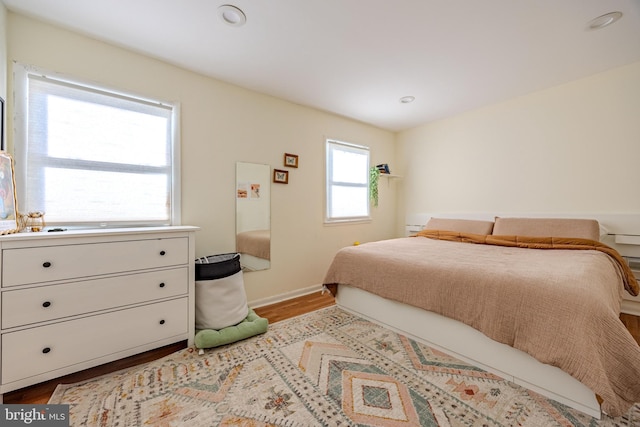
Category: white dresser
<point>75,299</point>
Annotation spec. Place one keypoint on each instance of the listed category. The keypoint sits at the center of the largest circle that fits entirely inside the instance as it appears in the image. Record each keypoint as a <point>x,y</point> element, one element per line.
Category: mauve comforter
<point>256,243</point>
<point>561,306</point>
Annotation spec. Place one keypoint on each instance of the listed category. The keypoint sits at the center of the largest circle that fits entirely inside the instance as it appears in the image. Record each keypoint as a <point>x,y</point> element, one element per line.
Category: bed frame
<point>467,344</point>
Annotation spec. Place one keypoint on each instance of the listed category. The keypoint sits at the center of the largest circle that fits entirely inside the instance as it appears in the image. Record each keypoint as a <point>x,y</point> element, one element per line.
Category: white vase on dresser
<point>76,299</point>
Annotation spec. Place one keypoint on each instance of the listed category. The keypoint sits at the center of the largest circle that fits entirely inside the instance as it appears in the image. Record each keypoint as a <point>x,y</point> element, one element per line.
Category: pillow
<point>460,225</point>
<point>248,327</point>
<point>548,227</point>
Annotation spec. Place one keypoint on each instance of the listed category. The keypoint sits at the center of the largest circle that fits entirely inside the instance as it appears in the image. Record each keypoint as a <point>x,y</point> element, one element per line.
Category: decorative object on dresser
<point>67,297</point>
<point>8,199</point>
<point>33,221</point>
<point>1,124</point>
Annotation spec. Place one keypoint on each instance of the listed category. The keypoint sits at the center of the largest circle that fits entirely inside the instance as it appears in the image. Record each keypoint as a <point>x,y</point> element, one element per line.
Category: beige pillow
<point>548,227</point>
<point>460,225</point>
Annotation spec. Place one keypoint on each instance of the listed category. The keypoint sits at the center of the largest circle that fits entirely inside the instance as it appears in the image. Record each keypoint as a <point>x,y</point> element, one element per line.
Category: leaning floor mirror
<point>253,215</point>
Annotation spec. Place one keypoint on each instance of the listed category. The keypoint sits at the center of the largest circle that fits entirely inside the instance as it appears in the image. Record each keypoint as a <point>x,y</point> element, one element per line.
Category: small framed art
<point>8,200</point>
<point>280,176</point>
<point>247,190</point>
<point>291,160</point>
<point>2,148</point>
<point>242,190</point>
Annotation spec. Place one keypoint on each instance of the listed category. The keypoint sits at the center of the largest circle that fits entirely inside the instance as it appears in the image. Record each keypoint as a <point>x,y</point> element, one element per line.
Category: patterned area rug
<point>326,368</point>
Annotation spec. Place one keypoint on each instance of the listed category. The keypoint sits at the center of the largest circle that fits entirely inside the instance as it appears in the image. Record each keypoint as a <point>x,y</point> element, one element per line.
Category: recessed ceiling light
<point>407,99</point>
<point>604,20</point>
<point>232,15</point>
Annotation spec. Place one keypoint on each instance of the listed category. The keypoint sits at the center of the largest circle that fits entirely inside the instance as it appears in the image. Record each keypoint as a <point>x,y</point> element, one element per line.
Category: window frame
<point>362,149</point>
<point>21,75</point>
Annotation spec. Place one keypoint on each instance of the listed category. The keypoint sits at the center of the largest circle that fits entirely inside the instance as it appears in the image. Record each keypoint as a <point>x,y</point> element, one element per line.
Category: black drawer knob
<point>162,253</point>
<point>46,350</point>
<point>46,304</point>
<point>46,264</point>
<point>162,322</point>
<point>162,285</point>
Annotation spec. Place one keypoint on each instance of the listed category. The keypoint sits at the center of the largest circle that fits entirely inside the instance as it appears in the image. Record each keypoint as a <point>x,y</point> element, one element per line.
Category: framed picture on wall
<point>2,147</point>
<point>242,190</point>
<point>255,191</point>
<point>8,200</point>
<point>291,160</point>
<point>280,176</point>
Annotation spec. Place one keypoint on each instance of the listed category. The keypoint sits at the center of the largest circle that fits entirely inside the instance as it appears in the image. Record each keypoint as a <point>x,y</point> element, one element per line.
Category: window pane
<point>349,167</point>
<point>349,201</point>
<point>84,131</point>
<point>74,195</point>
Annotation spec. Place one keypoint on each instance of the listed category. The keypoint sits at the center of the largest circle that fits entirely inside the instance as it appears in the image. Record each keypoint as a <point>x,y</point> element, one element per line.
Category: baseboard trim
<point>283,297</point>
<point>630,307</point>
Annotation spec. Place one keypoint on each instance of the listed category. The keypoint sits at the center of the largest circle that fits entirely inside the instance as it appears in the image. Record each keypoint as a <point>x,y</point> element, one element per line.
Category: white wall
<point>222,124</point>
<point>570,148</point>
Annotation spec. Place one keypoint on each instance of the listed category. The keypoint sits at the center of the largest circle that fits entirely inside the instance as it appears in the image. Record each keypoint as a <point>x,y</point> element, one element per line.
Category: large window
<point>88,156</point>
<point>347,182</point>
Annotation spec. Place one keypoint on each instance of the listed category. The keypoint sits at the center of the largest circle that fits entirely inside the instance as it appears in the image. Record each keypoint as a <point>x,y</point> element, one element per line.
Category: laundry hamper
<point>222,313</point>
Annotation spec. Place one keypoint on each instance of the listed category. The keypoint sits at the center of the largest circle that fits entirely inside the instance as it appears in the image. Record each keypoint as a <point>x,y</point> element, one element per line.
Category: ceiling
<point>357,58</point>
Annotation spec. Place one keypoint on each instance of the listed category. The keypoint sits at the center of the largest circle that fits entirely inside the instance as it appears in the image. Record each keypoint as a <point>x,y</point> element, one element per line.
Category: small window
<point>89,156</point>
<point>347,182</point>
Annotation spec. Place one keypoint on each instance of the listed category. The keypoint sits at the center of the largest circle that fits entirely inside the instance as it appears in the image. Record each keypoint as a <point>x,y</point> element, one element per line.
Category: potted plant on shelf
<point>374,175</point>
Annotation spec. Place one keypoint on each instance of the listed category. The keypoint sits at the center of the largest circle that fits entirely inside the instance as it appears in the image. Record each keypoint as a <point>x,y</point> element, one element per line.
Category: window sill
<point>347,221</point>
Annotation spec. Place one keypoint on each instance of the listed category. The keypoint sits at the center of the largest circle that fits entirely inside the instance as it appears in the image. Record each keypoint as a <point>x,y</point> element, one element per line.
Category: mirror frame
<point>253,215</point>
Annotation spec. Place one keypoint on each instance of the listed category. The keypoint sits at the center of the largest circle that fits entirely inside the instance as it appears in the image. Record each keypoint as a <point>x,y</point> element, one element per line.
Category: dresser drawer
<point>49,263</point>
<point>33,305</point>
<point>43,349</point>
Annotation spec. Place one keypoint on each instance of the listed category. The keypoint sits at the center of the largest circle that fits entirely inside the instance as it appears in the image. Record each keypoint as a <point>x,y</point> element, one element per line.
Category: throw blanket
<point>256,243</point>
<point>561,307</point>
<point>630,281</point>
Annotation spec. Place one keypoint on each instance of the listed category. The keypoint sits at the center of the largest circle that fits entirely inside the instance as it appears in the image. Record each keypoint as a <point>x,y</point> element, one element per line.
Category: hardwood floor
<point>633,325</point>
<point>40,393</point>
<point>295,306</point>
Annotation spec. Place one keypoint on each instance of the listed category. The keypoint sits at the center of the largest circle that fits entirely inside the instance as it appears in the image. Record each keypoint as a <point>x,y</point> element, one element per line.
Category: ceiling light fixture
<point>232,15</point>
<point>604,20</point>
<point>407,99</point>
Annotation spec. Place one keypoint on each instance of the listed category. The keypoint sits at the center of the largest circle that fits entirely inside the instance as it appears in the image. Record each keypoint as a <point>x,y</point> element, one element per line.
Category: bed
<point>536,301</point>
<point>255,248</point>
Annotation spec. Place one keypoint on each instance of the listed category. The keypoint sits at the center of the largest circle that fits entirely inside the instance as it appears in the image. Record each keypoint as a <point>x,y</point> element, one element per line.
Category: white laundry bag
<point>221,300</point>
